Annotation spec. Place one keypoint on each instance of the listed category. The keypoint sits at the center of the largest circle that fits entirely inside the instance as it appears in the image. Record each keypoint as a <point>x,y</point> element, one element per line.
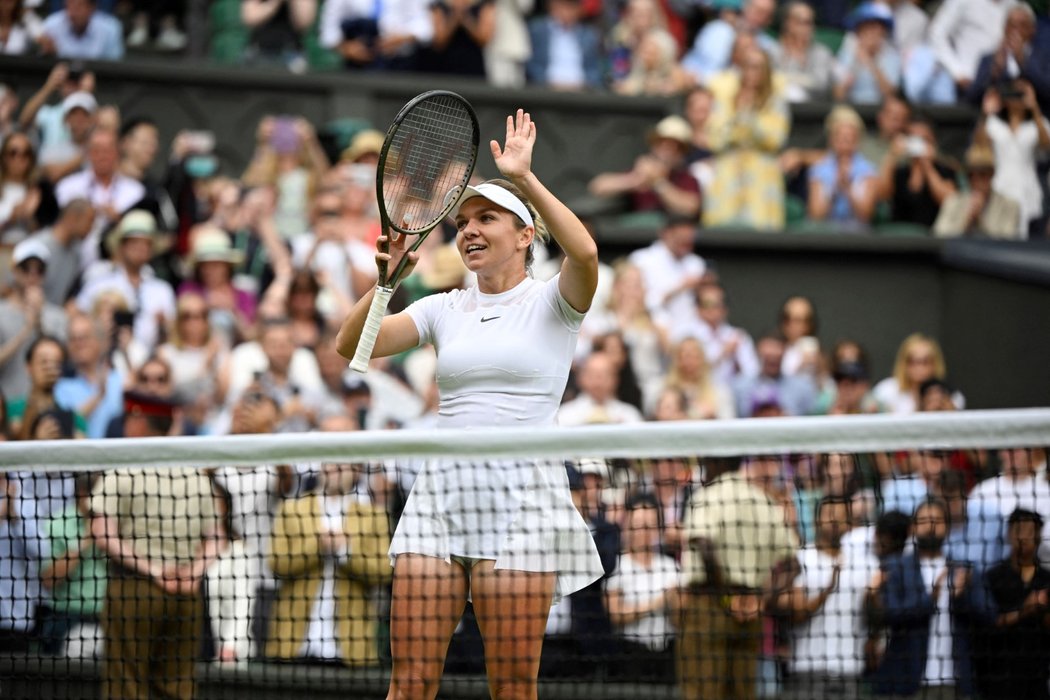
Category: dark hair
<point>952,483</point>
<point>153,360</point>
<point>1020,515</point>
<point>41,340</point>
<point>934,383</point>
<point>934,502</point>
<point>853,483</point>
<point>833,501</point>
<point>644,499</point>
<point>895,526</point>
<point>133,123</point>
<point>63,417</point>
<point>814,324</point>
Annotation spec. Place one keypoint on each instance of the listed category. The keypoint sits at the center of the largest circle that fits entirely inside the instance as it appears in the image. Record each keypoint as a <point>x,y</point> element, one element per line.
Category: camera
<point>916,147</point>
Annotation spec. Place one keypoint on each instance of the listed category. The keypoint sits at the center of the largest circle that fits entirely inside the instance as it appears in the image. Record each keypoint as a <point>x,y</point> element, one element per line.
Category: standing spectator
<point>807,65</point>
<point>19,191</point>
<point>798,325</point>
<point>698,104</point>
<point>150,299</point>
<point>597,402</point>
<point>825,606</point>
<point>22,554</point>
<point>918,187</point>
<point>376,37</point>
<point>44,361</point>
<point>161,530</point>
<point>690,373</point>
<point>18,29</point>
<point>980,210</point>
<point>1021,484</point>
<point>75,577</point>
<point>963,31</point>
<point>81,30</point>
<point>101,183</point>
<point>713,48</point>
<point>462,30</point>
<point>891,121</point>
<point>842,185</point>
<point>637,19</point>
<point>736,536</point>
<point>910,24</point>
<point>277,31</point>
<point>1020,136</point>
<point>794,394</point>
<point>328,550</point>
<point>566,52</point>
<point>1018,56</point>
<point>671,271</point>
<point>659,180</point>
<point>919,358</point>
<point>869,66</point>
<point>1020,589</point>
<point>195,352</point>
<point>63,240</point>
<point>506,54</point>
<point>95,389</point>
<point>139,144</point>
<point>640,594</point>
<point>26,314</point>
<point>748,126</point>
<point>730,350</point>
<point>62,132</point>
<point>164,17</point>
<point>654,69</point>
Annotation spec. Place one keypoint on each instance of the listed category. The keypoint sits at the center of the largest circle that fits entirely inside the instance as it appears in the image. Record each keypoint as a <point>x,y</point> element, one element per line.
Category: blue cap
<point>871,12</point>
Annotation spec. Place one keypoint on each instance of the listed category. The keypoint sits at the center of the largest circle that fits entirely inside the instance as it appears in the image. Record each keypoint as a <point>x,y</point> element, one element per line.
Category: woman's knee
<point>413,682</point>
<point>513,689</point>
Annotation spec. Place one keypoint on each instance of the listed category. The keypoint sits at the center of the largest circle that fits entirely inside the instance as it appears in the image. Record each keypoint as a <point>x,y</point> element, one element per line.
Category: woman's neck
<point>502,281</point>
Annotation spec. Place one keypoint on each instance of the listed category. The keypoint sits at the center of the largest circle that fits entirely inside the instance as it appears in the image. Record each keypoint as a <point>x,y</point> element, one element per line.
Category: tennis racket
<point>426,163</point>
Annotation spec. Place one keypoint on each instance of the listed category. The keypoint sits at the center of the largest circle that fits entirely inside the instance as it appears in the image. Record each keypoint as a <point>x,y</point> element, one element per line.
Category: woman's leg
<point>427,602</point>
<point>512,609</point>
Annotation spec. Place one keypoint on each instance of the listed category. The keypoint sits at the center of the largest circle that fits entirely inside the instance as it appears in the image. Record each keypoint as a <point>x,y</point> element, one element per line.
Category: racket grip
<point>370,331</point>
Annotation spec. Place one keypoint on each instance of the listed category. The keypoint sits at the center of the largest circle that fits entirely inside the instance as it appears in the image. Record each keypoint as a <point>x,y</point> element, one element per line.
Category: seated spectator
<point>794,395</point>
<point>637,19</point>
<point>62,128</point>
<point>697,110</point>
<point>1021,483</point>
<point>891,121</point>
<point>81,30</point>
<point>640,596</point>
<point>151,300</point>
<point>659,181</point>
<point>231,310</point>
<point>75,577</point>
<point>289,159</point>
<point>506,54</point>
<point>25,315</point>
<point>23,551</point>
<point>807,65</point>
<point>462,30</point>
<point>18,27</point>
<point>798,325</point>
<point>154,378</point>
<point>628,388</point>
<point>959,41</point>
<point>1017,56</point>
<point>44,361</point>
<point>328,551</point>
<point>654,69</point>
<point>980,210</point>
<point>566,52</point>
<point>277,31</point>
<point>919,358</point>
<point>1019,587</point>
<point>671,271</point>
<point>748,126</point>
<point>852,395</point>
<point>869,68</point>
<point>597,402</point>
<point>730,350</point>
<point>1019,135</point>
<point>95,389</point>
<point>978,530</point>
<point>308,323</point>
<point>914,177</point>
<point>916,476</point>
<point>712,50</point>
<point>842,185</point>
<point>165,18</point>
<point>690,373</point>
<point>936,395</point>
<point>19,190</point>
<point>383,37</point>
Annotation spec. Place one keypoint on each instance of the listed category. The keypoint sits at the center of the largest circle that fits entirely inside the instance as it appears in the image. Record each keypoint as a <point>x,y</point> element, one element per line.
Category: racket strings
<point>429,162</point>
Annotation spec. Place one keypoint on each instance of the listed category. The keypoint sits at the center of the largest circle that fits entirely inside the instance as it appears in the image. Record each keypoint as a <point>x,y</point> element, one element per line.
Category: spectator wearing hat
<point>566,52</point>
<point>842,185</point>
<point>26,314</point>
<point>659,181</point>
<point>748,126</point>
<point>870,66</point>
<point>980,210</point>
<point>132,243</point>
<point>63,240</point>
<point>81,30</point>
<point>161,529</point>
<point>364,148</point>
<point>231,309</point>
<point>49,120</point>
<point>793,395</point>
<point>95,389</point>
<point>712,50</point>
<point>962,31</point>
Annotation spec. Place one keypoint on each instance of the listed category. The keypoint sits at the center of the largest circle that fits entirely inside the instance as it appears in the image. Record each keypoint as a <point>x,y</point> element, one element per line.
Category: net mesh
<point>794,558</point>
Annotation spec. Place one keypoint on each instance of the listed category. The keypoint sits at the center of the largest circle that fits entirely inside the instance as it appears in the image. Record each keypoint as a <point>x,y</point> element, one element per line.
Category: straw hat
<point>367,142</point>
<point>980,158</point>
<point>137,223</point>
<point>446,270</point>
<point>211,243</point>
<point>673,127</point>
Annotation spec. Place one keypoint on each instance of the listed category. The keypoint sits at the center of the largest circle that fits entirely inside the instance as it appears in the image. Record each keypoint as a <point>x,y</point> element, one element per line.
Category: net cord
<point>874,433</point>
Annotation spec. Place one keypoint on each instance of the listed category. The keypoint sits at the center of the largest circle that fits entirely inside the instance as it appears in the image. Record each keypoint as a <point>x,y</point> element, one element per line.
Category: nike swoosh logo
<point>490,318</point>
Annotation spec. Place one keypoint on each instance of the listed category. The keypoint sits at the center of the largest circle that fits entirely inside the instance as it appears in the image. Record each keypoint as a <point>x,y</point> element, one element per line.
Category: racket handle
<point>370,331</point>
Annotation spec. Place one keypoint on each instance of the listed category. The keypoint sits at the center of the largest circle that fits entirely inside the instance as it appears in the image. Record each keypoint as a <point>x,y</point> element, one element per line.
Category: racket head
<point>426,162</point>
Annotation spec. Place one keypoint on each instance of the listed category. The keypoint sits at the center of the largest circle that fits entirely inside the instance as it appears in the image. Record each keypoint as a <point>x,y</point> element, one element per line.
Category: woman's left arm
<point>579,271</point>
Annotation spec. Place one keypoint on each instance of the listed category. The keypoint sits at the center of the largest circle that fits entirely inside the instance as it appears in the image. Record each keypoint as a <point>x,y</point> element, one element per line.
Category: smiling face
<point>490,238</point>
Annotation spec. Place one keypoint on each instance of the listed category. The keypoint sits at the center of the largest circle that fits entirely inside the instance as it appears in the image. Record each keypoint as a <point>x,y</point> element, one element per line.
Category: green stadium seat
<point>830,37</point>
<point>225,15</point>
<point>227,47</point>
<point>320,58</point>
<point>902,229</point>
<point>794,210</point>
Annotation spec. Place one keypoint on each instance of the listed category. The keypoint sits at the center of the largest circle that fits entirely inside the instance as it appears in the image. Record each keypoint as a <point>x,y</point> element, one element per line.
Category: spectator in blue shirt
<point>712,51</point>
<point>566,53</point>
<point>842,184</point>
<point>22,550</point>
<point>96,390</point>
<point>771,388</point>
<point>869,64</point>
<point>83,31</point>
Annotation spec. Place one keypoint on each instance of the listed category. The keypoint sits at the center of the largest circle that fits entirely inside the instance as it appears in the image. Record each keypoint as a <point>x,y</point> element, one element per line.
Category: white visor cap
<point>498,195</point>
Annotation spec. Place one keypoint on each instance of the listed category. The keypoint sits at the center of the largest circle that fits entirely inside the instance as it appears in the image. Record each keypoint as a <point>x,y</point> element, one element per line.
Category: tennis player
<point>503,533</point>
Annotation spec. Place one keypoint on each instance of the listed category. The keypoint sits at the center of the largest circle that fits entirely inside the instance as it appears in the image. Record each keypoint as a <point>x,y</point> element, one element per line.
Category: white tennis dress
<point>502,360</point>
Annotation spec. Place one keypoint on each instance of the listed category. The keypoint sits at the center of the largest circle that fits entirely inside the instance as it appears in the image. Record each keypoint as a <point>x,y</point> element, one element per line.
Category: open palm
<point>514,160</point>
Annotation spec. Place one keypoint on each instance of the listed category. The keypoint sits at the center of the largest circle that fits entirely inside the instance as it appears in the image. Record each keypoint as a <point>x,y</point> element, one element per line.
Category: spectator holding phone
<point>917,187</point>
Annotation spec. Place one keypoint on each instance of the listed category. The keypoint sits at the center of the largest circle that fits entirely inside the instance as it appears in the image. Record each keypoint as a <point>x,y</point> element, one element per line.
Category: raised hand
<point>514,160</point>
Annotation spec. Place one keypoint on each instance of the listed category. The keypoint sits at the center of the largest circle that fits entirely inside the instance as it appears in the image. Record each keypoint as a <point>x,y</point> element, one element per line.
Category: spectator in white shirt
<point>963,31</point>
<point>376,34</point>
<point>730,350</point>
<point>672,271</point>
<point>1021,484</point>
<point>83,31</point>
<point>597,402</point>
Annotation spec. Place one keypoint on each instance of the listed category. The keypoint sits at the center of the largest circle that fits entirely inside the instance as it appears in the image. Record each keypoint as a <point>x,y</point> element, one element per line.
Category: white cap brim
<point>499,196</point>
